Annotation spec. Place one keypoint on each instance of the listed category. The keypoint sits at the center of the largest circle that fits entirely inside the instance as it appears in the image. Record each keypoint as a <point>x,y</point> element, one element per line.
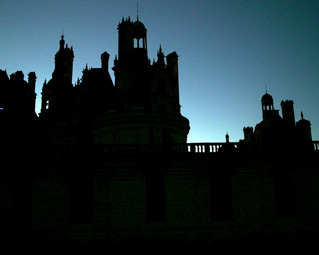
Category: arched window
<point>47,104</point>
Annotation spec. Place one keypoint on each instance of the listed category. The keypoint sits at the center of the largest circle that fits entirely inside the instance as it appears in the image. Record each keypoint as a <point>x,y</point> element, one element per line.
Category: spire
<point>160,57</point>
<point>137,11</point>
<point>160,49</point>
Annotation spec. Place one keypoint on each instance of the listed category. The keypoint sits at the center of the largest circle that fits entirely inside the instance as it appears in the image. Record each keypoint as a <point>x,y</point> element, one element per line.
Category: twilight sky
<point>228,51</point>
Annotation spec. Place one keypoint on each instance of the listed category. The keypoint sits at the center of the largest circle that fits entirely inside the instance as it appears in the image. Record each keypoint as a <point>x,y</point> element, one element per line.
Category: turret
<point>64,63</point>
<point>267,104</point>
<point>303,130</point>
<point>57,94</point>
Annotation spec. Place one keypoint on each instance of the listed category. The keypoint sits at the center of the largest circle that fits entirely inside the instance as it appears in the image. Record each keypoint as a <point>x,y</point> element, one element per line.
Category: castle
<point>109,163</point>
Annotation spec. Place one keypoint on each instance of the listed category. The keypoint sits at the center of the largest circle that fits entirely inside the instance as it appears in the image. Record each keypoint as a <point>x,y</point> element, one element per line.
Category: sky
<point>230,52</point>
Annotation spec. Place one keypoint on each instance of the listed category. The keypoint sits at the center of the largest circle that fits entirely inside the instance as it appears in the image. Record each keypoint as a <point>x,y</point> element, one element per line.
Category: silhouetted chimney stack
<point>105,60</point>
<point>288,115</point>
<point>31,80</point>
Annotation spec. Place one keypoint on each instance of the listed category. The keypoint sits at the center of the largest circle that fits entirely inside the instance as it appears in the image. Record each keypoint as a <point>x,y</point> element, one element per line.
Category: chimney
<point>288,115</point>
<point>31,80</point>
<point>105,61</point>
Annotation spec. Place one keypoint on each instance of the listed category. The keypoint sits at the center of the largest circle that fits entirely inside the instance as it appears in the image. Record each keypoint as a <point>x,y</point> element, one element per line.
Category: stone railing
<point>200,148</point>
<point>210,147</point>
<point>177,148</point>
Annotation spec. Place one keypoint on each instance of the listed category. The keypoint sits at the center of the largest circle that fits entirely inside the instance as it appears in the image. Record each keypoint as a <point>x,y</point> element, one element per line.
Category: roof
<point>267,98</point>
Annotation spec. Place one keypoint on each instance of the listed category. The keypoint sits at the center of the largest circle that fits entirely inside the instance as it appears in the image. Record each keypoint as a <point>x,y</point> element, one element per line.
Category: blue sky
<point>228,51</point>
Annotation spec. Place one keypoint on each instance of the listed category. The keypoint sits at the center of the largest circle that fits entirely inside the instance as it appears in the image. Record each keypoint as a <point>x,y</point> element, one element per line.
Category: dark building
<point>107,164</point>
<point>276,132</point>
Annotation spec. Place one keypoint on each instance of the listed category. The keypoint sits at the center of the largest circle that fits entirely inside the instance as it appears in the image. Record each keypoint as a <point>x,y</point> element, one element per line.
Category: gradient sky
<point>228,51</point>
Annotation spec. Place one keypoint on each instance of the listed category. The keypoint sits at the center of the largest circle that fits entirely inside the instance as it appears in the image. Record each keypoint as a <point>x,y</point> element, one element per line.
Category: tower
<point>271,116</point>
<point>132,40</point>
<point>132,68</point>
<point>64,63</point>
<point>57,94</point>
<point>146,103</point>
<point>303,130</point>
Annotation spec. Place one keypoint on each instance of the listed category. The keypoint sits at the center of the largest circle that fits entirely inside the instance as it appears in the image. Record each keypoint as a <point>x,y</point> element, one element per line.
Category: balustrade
<point>200,148</point>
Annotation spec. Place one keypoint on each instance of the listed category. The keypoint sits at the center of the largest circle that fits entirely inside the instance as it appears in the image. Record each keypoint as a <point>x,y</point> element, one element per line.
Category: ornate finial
<point>302,115</point>
<point>62,42</point>
<point>266,88</point>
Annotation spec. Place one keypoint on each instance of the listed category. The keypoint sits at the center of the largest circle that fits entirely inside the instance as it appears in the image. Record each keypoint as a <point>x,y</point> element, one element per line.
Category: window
<point>285,195</point>
<point>155,197</point>
<point>167,136</point>
<point>115,137</point>
<point>161,90</point>
<point>81,198</point>
<point>22,201</point>
<point>152,135</point>
<point>136,43</point>
<point>221,196</point>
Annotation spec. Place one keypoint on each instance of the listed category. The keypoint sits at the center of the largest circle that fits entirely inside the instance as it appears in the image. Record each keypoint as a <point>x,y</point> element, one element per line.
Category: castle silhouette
<point>108,163</point>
